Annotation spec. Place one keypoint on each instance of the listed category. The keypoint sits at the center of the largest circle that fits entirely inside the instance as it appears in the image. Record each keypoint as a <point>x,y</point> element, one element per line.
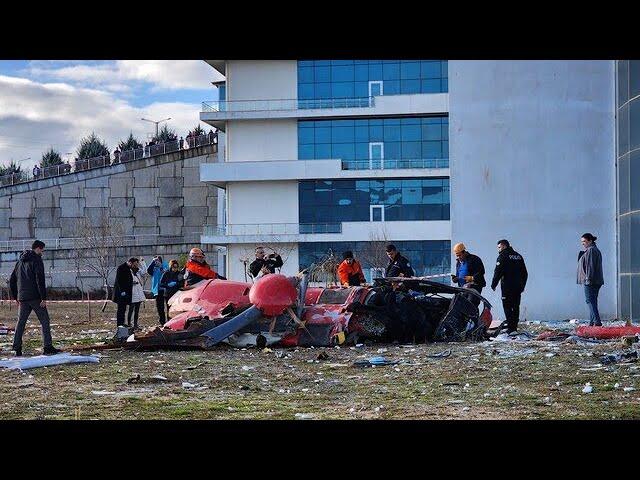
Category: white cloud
<point>34,116</point>
<point>161,74</point>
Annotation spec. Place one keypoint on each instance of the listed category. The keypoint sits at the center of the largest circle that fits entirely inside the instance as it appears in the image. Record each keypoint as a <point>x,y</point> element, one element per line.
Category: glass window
<point>342,90</point>
<point>430,86</point>
<point>305,135</point>
<point>305,63</point>
<point>411,133</point>
<point>623,81</point>
<point>392,133</point>
<point>323,90</point>
<point>323,151</point>
<point>432,131</point>
<point>635,296</point>
<point>410,70</point>
<point>323,74</point>
<point>634,182</point>
<point>305,74</point>
<point>634,244</point>
<point>625,244</point>
<point>634,78</point>
<point>391,87</point>
<point>361,73</point>
<point>306,152</point>
<point>634,124</point>
<point>391,71</point>
<point>430,69</point>
<point>408,87</point>
<point>623,184</point>
<point>623,130</point>
<point>305,90</point>
<point>342,73</point>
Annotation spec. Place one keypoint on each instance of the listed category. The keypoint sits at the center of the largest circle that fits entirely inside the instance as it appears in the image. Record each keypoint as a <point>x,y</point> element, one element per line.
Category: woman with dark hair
<point>590,275</point>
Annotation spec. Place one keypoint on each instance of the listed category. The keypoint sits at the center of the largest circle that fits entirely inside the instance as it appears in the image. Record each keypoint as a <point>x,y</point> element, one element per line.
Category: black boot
<point>18,351</point>
<point>50,350</point>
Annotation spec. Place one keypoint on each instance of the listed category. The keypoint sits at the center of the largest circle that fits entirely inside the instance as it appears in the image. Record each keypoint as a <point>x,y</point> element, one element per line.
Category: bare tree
<point>98,241</point>
<point>374,254</point>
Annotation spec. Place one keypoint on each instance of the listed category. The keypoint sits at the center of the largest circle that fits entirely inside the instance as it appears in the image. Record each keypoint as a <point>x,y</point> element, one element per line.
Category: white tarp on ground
<point>25,363</point>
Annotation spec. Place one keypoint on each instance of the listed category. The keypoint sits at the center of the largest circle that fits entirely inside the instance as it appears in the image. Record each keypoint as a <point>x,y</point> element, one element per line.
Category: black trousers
<point>134,311</point>
<point>511,306</point>
<point>43,316</point>
<point>120,313</point>
<point>162,307</point>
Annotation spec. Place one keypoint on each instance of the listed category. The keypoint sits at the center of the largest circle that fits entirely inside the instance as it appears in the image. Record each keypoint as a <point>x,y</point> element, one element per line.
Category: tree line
<point>93,146</point>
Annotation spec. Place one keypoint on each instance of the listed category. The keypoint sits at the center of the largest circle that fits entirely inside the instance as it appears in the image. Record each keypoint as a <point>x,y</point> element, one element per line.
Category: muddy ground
<point>489,380</point>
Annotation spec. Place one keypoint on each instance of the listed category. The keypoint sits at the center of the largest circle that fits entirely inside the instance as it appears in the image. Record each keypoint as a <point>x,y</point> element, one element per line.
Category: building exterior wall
<point>531,149</point>
<point>261,79</point>
<point>263,140</point>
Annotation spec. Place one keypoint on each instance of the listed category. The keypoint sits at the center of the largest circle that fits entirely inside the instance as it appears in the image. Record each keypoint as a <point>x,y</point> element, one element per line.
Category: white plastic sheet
<point>25,363</point>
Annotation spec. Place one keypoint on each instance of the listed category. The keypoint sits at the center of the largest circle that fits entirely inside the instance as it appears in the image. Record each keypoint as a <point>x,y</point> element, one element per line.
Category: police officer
<point>398,266</point>
<point>512,274</point>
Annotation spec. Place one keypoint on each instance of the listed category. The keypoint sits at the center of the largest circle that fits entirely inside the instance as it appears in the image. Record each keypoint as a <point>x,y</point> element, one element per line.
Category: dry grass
<point>478,381</point>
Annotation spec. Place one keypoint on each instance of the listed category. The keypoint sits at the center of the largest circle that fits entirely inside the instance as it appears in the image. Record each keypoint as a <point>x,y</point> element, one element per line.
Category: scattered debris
<point>323,356</point>
<point>102,392</point>
<point>193,367</point>
<point>628,389</point>
<point>189,385</point>
<point>443,354</point>
<point>587,388</point>
<point>159,378</point>
<point>374,362</point>
<point>619,357</point>
<point>25,363</point>
<point>304,416</point>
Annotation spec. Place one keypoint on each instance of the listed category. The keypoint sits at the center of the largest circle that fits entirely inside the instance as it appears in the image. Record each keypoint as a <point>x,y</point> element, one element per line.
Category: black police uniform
<point>512,274</point>
<point>397,266</point>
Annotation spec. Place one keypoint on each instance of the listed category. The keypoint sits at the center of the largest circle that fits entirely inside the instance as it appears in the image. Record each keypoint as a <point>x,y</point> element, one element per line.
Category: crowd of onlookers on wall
<point>151,148</point>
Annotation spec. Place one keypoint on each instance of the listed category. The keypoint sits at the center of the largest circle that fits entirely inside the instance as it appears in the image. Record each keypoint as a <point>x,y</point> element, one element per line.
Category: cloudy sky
<point>47,104</point>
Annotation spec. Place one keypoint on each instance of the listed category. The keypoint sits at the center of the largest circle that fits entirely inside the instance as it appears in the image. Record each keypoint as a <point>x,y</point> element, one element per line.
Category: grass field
<point>490,380</point>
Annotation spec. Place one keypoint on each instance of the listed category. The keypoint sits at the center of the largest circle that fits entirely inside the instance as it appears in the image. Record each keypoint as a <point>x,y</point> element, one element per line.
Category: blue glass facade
<point>329,201</point>
<point>415,141</point>
<point>330,79</point>
<point>427,257</point>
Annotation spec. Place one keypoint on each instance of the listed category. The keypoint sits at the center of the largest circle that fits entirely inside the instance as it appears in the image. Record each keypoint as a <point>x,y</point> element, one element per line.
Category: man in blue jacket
<point>155,270</point>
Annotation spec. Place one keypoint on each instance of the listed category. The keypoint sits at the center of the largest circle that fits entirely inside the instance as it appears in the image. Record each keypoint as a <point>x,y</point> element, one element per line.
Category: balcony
<point>215,112</point>
<point>325,232</point>
<point>266,232</point>
<point>222,173</point>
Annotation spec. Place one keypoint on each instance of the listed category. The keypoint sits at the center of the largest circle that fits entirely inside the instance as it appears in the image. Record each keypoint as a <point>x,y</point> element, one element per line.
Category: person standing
<point>27,285</point>
<point>171,282</point>
<point>122,288</point>
<point>350,271</point>
<point>197,269</point>
<point>155,270</point>
<point>398,265</point>
<point>512,274</point>
<point>137,297</point>
<point>590,275</point>
<point>469,271</point>
<point>264,264</point>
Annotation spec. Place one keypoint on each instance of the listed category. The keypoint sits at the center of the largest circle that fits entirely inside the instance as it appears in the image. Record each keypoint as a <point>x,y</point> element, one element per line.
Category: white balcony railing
<point>392,164</point>
<point>275,229</point>
<point>285,104</point>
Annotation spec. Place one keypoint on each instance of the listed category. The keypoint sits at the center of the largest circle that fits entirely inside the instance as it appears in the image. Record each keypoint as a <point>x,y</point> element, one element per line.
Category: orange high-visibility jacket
<point>345,271</point>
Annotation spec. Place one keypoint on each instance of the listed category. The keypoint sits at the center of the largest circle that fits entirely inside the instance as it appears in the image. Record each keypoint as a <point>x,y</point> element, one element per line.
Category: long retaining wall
<point>159,200</point>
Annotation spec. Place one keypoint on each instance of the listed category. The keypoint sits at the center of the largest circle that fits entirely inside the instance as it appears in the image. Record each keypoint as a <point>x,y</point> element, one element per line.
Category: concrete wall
<point>532,160</point>
<point>262,79</point>
<point>159,200</point>
<point>262,202</point>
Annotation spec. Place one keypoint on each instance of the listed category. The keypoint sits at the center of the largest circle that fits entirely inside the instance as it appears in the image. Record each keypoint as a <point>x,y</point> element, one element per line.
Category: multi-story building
<point>324,155</point>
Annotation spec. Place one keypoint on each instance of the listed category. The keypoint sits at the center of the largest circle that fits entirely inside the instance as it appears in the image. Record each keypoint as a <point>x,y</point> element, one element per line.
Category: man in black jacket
<point>123,287</point>
<point>265,264</point>
<point>512,274</point>
<point>28,288</point>
<point>398,265</point>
